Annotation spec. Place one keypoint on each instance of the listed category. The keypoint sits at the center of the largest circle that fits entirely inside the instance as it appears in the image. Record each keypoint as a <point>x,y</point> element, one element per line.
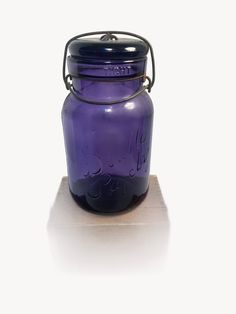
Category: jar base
<point>81,201</point>
<point>119,194</point>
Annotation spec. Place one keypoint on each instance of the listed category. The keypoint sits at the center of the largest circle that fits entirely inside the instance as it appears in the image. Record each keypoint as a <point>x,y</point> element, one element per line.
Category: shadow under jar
<point>107,120</point>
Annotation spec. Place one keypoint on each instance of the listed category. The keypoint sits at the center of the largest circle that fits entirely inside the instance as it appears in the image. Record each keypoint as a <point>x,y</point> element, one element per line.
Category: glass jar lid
<point>108,47</point>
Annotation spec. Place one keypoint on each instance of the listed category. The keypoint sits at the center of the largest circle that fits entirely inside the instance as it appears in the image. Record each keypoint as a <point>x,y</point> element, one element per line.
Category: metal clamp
<point>69,85</point>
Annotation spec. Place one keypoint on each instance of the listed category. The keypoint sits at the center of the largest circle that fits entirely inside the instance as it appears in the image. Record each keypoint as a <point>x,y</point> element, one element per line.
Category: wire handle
<point>69,85</point>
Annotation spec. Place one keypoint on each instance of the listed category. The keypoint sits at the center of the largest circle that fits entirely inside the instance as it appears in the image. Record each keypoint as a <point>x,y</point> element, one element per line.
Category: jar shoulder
<point>140,105</point>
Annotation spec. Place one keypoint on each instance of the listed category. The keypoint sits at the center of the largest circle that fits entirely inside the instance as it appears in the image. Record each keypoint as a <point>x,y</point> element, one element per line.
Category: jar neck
<point>92,89</point>
<point>107,81</point>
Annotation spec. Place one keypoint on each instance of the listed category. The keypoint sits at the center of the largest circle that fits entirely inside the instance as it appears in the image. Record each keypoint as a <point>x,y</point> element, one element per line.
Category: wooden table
<point>130,241</point>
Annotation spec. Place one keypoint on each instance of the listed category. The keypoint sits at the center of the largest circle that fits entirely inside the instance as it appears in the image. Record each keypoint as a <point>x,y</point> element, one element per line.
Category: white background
<point>193,154</point>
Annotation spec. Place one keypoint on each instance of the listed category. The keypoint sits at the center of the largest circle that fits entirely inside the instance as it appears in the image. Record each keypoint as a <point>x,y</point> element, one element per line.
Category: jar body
<point>108,150</point>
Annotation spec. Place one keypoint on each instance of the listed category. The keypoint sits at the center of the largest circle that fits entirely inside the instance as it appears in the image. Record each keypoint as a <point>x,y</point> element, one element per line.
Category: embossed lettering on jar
<point>107,120</point>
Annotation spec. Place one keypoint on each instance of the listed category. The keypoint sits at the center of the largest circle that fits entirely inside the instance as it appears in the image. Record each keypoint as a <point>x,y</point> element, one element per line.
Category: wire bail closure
<point>109,35</point>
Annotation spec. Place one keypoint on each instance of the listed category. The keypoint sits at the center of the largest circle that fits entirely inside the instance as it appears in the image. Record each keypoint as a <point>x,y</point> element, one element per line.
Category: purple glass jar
<point>107,120</point>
